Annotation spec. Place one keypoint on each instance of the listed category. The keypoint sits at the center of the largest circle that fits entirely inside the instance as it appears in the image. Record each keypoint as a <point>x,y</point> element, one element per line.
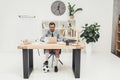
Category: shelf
<point>117,45</point>
<point>118,36</point>
<point>118,41</point>
<point>118,50</point>
<point>70,37</point>
<point>61,28</point>
<point>118,30</point>
<point>119,22</point>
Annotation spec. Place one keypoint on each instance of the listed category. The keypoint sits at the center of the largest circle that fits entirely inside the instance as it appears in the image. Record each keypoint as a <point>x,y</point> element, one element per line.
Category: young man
<point>52,33</point>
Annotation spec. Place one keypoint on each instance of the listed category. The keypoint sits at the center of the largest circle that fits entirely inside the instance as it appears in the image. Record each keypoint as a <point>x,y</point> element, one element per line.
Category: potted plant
<point>91,35</point>
<point>72,11</point>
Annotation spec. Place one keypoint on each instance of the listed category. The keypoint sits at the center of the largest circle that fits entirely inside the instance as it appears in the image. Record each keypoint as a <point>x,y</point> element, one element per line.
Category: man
<point>52,33</point>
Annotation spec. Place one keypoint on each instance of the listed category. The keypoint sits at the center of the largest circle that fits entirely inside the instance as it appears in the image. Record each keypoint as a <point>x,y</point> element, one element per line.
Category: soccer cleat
<point>55,69</point>
<point>45,63</point>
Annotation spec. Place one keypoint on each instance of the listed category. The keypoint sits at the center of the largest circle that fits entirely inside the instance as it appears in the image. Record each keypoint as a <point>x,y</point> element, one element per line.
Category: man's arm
<point>43,37</point>
<point>59,37</point>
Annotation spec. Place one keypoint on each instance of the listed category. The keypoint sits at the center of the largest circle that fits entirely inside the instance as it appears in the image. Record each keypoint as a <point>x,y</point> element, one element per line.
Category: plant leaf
<point>90,32</point>
<point>86,24</point>
<point>73,6</point>
<point>78,9</point>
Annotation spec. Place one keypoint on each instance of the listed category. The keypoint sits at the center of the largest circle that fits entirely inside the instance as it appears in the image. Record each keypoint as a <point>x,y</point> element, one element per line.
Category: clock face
<point>58,8</point>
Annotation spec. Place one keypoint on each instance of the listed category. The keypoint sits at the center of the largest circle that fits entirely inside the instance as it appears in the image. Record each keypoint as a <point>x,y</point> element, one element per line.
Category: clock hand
<point>59,11</point>
<point>58,7</point>
<point>55,10</point>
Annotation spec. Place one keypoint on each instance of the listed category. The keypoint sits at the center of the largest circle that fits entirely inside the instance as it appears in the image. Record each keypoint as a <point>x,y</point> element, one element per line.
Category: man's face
<point>52,28</point>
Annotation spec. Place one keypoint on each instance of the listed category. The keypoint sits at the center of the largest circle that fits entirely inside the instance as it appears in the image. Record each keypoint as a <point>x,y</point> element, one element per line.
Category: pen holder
<point>67,42</point>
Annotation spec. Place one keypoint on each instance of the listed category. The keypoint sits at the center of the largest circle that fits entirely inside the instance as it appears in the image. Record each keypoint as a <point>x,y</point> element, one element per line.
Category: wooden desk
<point>28,56</point>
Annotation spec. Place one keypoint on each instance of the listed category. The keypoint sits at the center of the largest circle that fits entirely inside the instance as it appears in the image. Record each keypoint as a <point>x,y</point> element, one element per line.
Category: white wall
<point>93,11</point>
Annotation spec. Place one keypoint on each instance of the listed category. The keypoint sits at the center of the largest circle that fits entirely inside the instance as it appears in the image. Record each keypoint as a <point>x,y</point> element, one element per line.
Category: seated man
<point>52,33</point>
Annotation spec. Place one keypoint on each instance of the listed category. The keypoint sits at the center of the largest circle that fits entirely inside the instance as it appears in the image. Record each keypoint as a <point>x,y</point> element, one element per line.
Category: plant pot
<point>89,48</point>
<point>71,17</point>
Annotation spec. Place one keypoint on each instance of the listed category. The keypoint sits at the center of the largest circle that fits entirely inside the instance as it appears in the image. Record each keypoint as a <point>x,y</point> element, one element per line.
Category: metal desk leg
<point>27,62</point>
<point>30,60</point>
<point>76,62</point>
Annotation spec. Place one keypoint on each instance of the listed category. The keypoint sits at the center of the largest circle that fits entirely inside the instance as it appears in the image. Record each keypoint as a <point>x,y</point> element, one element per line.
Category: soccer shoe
<point>55,69</point>
<point>45,63</point>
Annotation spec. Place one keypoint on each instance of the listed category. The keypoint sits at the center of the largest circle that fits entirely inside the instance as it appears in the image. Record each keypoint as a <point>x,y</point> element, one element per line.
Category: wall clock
<point>58,8</point>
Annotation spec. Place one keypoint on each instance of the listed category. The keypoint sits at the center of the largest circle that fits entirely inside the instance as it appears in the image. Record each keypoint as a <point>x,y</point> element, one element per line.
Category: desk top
<point>37,45</point>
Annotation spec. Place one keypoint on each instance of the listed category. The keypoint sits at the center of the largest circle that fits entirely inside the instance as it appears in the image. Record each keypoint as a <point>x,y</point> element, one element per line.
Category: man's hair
<point>51,23</point>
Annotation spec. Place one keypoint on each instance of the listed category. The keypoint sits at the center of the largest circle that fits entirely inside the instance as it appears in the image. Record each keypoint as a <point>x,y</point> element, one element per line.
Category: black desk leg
<point>27,62</point>
<point>30,60</point>
<point>76,62</point>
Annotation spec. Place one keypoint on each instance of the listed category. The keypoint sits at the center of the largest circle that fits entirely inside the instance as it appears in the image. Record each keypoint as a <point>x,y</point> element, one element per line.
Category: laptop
<point>51,40</point>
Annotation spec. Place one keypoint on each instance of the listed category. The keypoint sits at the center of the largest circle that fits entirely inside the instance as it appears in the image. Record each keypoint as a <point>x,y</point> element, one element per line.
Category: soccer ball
<point>46,69</point>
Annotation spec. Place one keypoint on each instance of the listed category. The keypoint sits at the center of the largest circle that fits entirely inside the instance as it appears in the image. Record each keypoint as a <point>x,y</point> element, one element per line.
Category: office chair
<point>52,54</point>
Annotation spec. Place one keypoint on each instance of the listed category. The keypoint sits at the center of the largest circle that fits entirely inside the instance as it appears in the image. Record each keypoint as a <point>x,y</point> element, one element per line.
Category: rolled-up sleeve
<point>43,37</point>
<point>48,34</point>
<point>59,37</point>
